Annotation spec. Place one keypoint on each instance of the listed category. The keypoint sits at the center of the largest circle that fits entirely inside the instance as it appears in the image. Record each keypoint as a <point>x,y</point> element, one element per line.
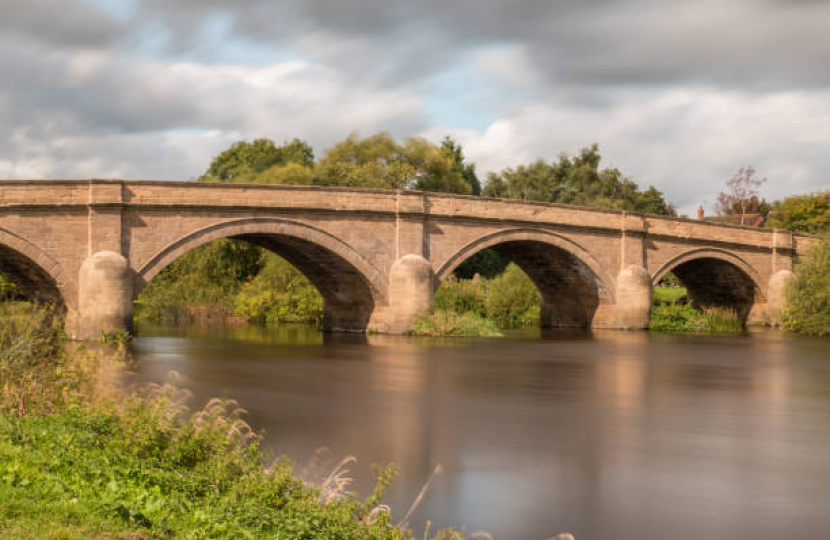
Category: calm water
<point>607,435</point>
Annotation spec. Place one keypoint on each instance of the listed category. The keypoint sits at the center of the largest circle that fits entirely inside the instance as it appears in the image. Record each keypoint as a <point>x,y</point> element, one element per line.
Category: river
<point>607,435</point>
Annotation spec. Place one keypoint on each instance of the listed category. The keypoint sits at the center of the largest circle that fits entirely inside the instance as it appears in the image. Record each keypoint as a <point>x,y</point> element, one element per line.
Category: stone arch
<point>349,299</point>
<point>716,278</point>
<point>572,283</point>
<point>35,272</point>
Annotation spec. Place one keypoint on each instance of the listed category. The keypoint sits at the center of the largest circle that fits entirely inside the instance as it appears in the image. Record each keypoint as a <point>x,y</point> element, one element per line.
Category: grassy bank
<point>672,312</point>
<point>451,324</point>
<point>80,458</point>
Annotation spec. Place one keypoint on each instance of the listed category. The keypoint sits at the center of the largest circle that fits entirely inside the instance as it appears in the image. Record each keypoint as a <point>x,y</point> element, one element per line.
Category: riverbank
<point>81,457</point>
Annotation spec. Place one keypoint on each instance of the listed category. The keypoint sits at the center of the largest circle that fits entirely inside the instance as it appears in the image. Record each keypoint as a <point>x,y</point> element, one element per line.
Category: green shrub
<point>808,295</point>
<point>513,300</point>
<point>462,296</point>
<point>207,278</point>
<point>278,294</point>
<point>674,317</point>
<point>450,323</point>
<point>668,295</point>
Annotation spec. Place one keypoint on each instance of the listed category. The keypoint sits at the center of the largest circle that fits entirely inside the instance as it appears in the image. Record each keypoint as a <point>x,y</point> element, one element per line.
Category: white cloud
<point>685,142</point>
<point>145,118</point>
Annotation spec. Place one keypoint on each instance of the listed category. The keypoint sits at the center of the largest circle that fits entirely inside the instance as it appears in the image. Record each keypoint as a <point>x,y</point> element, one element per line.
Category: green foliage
<point>808,294</point>
<point>576,180</point>
<point>146,468</point>
<point>8,288</point>
<point>513,300</point>
<point>32,344</point>
<point>450,323</point>
<point>808,213</point>
<point>379,161</point>
<point>672,312</point>
<point>210,275</point>
<point>278,294</point>
<point>467,170</point>
<point>510,300</point>
<point>462,296</point>
<point>686,318</point>
<point>244,161</point>
<point>669,295</point>
<point>29,336</point>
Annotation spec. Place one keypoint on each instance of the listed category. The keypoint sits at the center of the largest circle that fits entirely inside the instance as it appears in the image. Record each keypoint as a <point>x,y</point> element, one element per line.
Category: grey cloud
<point>755,43</point>
<point>64,23</point>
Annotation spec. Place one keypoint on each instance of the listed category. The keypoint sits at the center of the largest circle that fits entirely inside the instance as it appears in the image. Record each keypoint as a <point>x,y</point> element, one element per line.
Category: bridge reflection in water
<point>606,434</point>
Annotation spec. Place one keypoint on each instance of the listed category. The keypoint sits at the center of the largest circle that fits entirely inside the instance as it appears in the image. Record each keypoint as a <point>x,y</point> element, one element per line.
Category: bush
<point>513,300</point>
<point>462,296</point>
<point>449,323</point>
<point>674,317</point>
<point>206,279</point>
<point>279,293</point>
<point>808,295</point>
<point>32,344</point>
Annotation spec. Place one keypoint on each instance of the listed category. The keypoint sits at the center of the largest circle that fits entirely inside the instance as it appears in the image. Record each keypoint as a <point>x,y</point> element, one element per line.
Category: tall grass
<point>32,344</point>
<point>450,323</point>
<point>672,312</point>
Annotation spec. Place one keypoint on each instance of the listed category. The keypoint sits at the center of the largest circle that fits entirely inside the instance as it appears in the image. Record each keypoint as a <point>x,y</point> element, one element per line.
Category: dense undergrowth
<point>228,281</point>
<point>82,458</point>
<point>481,306</point>
<point>671,311</point>
<point>808,295</point>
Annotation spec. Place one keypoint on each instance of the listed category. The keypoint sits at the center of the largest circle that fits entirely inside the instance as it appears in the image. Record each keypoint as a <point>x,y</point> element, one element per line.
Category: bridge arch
<point>572,283</point>
<point>716,278</point>
<point>38,275</point>
<point>351,287</point>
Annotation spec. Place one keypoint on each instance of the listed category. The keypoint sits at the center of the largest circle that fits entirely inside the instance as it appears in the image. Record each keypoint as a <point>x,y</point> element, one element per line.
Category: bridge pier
<point>633,306</point>
<point>105,291</point>
<point>411,292</point>
<point>776,296</point>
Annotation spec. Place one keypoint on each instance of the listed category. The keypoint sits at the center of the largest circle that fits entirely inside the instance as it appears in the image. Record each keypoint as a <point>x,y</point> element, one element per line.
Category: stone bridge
<point>377,256</point>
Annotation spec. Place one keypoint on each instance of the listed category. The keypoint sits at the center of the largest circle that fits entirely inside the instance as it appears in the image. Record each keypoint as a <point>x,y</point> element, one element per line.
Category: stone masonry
<point>377,255</point>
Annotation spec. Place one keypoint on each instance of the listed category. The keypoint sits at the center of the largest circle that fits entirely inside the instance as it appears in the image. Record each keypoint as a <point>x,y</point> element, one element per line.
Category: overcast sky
<point>678,94</point>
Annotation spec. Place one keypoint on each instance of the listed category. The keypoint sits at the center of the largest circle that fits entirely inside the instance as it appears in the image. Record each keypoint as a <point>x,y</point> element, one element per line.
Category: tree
<point>245,161</point>
<point>576,180</point>
<point>467,170</point>
<point>808,213</point>
<point>379,161</point>
<point>808,295</point>
<point>741,196</point>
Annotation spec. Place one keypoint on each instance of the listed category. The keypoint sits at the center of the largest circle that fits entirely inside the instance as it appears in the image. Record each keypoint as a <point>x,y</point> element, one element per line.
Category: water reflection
<point>605,434</point>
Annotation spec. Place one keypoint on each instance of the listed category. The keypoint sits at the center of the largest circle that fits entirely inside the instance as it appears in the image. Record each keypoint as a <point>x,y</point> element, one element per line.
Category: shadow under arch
<point>350,286</point>
<point>716,278</point>
<point>572,284</point>
<point>38,275</point>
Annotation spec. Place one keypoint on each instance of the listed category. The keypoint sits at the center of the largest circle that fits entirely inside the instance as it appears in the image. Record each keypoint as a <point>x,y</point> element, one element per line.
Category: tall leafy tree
<point>246,161</point>
<point>467,170</point>
<point>808,213</point>
<point>379,161</point>
<point>576,180</point>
